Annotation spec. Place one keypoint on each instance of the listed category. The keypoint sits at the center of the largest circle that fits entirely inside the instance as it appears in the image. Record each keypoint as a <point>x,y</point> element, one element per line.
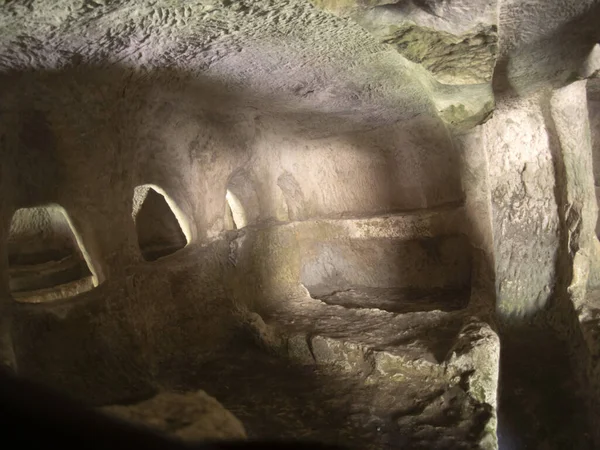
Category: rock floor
<point>275,397</point>
<point>539,404</point>
<point>392,390</point>
<point>280,400</point>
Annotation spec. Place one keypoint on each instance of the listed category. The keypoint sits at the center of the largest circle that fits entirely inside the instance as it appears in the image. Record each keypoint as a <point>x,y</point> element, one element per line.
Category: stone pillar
<point>478,216</point>
<point>523,204</point>
<point>578,212</point>
<point>576,197</point>
<point>593,98</point>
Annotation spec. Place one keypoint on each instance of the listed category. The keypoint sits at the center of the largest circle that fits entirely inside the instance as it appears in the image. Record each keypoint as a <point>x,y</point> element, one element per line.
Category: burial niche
<point>235,215</point>
<point>397,275</point>
<point>241,207</point>
<point>47,261</point>
<point>158,229</point>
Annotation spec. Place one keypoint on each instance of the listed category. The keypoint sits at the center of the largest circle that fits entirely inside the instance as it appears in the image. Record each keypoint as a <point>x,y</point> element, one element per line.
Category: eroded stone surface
<point>462,59</point>
<point>544,43</point>
<point>352,143</point>
<point>193,416</point>
<point>463,53</point>
<point>454,44</point>
<point>448,363</point>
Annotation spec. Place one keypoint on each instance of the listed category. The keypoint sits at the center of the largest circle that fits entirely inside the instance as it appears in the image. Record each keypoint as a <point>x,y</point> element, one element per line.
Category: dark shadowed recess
<point>43,254</point>
<point>158,230</point>
<point>541,406</point>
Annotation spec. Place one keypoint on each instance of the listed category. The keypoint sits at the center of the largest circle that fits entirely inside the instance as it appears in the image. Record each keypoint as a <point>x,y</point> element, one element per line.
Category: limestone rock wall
<point>461,53</point>
<point>39,235</point>
<point>405,166</point>
<point>122,340</point>
<point>544,42</point>
<point>367,143</point>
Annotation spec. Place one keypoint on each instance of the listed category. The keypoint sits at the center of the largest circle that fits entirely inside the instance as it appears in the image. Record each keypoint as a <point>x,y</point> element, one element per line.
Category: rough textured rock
<point>464,59</point>
<point>447,376</point>
<point>544,43</point>
<point>194,416</point>
<point>130,330</point>
<point>452,47</point>
<point>384,196</point>
<point>578,208</point>
<point>461,53</point>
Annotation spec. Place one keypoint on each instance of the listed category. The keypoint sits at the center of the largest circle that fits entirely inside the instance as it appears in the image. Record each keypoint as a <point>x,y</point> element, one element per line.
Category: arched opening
<point>241,207</point>
<point>161,228</point>
<point>47,259</point>
<point>292,195</point>
<point>395,275</point>
<point>235,214</point>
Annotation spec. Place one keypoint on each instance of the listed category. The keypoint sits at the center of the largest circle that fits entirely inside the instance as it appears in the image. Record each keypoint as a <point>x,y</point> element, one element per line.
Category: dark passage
<point>540,403</point>
<point>45,261</point>
<point>158,230</point>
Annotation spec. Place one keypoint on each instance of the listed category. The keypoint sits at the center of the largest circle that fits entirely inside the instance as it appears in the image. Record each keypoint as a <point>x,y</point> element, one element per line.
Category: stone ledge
<point>448,361</point>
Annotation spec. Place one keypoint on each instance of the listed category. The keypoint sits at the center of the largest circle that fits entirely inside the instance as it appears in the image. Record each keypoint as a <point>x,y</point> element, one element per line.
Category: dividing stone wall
<point>525,220</point>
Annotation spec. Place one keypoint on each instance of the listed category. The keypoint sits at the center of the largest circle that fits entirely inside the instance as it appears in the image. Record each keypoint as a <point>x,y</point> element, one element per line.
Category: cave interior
<point>370,223</point>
